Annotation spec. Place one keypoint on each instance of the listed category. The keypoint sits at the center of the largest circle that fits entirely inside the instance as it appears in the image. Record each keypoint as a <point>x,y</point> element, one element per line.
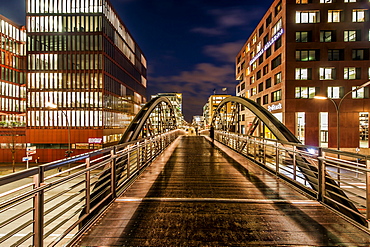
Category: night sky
<point>190,45</point>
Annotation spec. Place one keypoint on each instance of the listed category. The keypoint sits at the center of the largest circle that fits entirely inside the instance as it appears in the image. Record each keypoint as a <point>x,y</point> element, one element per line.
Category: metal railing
<point>340,180</point>
<point>45,206</point>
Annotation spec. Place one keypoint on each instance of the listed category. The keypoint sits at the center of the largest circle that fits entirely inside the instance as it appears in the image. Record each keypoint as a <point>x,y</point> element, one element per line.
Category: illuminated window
<point>277,27</point>
<point>351,35</point>
<point>253,91</point>
<point>278,78</point>
<point>349,1</point>
<point>358,15</point>
<point>276,96</point>
<point>301,1</point>
<point>303,74</point>
<point>327,73</point>
<point>305,55</point>
<point>302,36</point>
<point>335,92</point>
<point>309,16</point>
<point>254,39</point>
<point>362,93</point>
<point>334,15</point>
<point>305,92</point>
<point>352,73</point>
<point>326,1</point>
<point>327,36</point>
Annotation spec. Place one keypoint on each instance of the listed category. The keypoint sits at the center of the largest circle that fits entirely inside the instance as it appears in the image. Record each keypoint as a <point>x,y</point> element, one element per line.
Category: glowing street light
<point>54,106</point>
<point>337,107</point>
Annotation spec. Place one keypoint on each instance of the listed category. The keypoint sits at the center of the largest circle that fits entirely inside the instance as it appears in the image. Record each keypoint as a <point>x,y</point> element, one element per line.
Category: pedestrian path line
<point>265,201</point>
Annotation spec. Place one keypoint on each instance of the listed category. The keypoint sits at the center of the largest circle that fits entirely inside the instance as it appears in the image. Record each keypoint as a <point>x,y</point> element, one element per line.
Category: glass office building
<point>82,60</point>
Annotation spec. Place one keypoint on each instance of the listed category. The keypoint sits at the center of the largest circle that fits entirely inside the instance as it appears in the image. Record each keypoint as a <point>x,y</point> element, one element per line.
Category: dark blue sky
<point>190,45</point>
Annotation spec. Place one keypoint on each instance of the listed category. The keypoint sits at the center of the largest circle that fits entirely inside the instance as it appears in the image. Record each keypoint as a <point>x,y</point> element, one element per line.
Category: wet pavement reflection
<point>197,195</point>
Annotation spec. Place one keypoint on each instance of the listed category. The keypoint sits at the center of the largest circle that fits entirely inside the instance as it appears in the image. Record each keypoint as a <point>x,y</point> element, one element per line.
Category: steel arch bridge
<point>226,118</point>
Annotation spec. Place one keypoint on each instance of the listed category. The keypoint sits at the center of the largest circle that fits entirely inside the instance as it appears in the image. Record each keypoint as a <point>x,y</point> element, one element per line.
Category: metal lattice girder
<point>282,133</point>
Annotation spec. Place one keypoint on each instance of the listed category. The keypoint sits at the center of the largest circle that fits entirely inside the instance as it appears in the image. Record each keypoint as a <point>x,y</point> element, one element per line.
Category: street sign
<point>27,158</point>
<point>95,140</point>
<point>32,148</point>
<point>31,152</point>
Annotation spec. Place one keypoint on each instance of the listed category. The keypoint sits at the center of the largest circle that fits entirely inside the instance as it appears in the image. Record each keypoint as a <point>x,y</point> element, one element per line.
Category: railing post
<point>264,151</point>
<point>38,206</point>
<point>294,162</point>
<point>113,177</point>
<point>368,191</point>
<point>321,174</point>
<point>128,161</point>
<point>277,159</point>
<point>138,156</point>
<point>87,185</point>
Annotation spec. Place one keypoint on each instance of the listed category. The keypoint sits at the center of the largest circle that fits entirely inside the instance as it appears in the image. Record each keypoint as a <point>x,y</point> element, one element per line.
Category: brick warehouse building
<point>302,49</point>
<point>86,77</point>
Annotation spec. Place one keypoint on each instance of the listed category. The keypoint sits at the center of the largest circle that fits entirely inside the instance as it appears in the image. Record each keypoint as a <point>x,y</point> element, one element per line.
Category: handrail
<point>339,182</point>
<point>61,201</point>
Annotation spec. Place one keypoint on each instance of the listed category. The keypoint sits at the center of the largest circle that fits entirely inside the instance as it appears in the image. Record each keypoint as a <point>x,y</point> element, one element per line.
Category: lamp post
<point>54,106</point>
<point>337,107</point>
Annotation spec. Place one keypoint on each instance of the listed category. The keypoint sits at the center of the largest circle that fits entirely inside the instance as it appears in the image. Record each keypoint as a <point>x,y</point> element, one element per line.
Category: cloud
<point>225,52</point>
<point>229,18</point>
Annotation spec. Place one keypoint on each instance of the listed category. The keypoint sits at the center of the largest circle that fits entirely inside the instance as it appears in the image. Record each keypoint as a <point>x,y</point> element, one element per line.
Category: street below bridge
<point>203,194</point>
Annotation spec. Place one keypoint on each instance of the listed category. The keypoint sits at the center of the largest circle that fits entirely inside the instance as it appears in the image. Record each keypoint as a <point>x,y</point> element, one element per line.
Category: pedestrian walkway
<point>199,194</point>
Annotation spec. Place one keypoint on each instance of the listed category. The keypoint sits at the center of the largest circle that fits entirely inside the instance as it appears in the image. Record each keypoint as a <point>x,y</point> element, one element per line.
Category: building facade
<point>210,107</point>
<point>12,88</point>
<point>176,101</point>
<point>306,48</point>
<point>82,60</point>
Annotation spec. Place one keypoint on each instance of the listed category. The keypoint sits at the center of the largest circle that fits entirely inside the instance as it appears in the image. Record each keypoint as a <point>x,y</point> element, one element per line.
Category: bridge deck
<point>197,195</point>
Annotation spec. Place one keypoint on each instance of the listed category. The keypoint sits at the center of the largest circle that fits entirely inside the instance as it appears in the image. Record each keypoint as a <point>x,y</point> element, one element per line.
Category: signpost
<point>29,151</point>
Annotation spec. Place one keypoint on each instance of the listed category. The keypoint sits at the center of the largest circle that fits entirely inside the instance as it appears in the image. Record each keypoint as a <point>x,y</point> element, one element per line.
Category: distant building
<point>301,49</point>
<point>82,59</point>
<point>198,121</point>
<point>12,88</point>
<point>176,101</point>
<point>211,106</point>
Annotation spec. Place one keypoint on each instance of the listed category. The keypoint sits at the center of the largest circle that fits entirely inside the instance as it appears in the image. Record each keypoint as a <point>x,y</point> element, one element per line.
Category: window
<point>336,55</point>
<point>327,36</point>
<point>277,8</point>
<point>368,73</point>
<point>260,87</point>
<point>277,77</point>
<point>352,35</point>
<point>268,83</point>
<point>268,20</point>
<point>276,96</point>
<point>305,55</point>
<point>352,73</point>
<point>265,69</point>
<point>334,15</point>
<point>276,62</point>
<point>278,43</point>
<point>252,80</point>
<point>258,100</point>
<point>265,99</point>
<point>302,36</point>
<point>327,73</point>
<point>360,54</point>
<point>301,1</point>
<point>253,91</point>
<point>326,1</point>
<point>349,1</point>
<point>258,75</point>
<point>362,93</point>
<point>358,15</point>
<point>303,74</point>
<point>305,92</point>
<point>310,16</point>
<point>268,52</point>
<point>260,31</point>
<point>277,27</point>
<point>265,39</point>
<point>254,39</point>
<point>335,92</point>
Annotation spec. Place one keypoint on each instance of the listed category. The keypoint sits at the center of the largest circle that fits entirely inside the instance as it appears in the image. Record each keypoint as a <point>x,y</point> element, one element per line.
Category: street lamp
<point>54,106</point>
<point>337,107</point>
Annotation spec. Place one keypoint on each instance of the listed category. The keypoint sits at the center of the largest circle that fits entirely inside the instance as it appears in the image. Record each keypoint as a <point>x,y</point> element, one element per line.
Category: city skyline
<point>193,53</point>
